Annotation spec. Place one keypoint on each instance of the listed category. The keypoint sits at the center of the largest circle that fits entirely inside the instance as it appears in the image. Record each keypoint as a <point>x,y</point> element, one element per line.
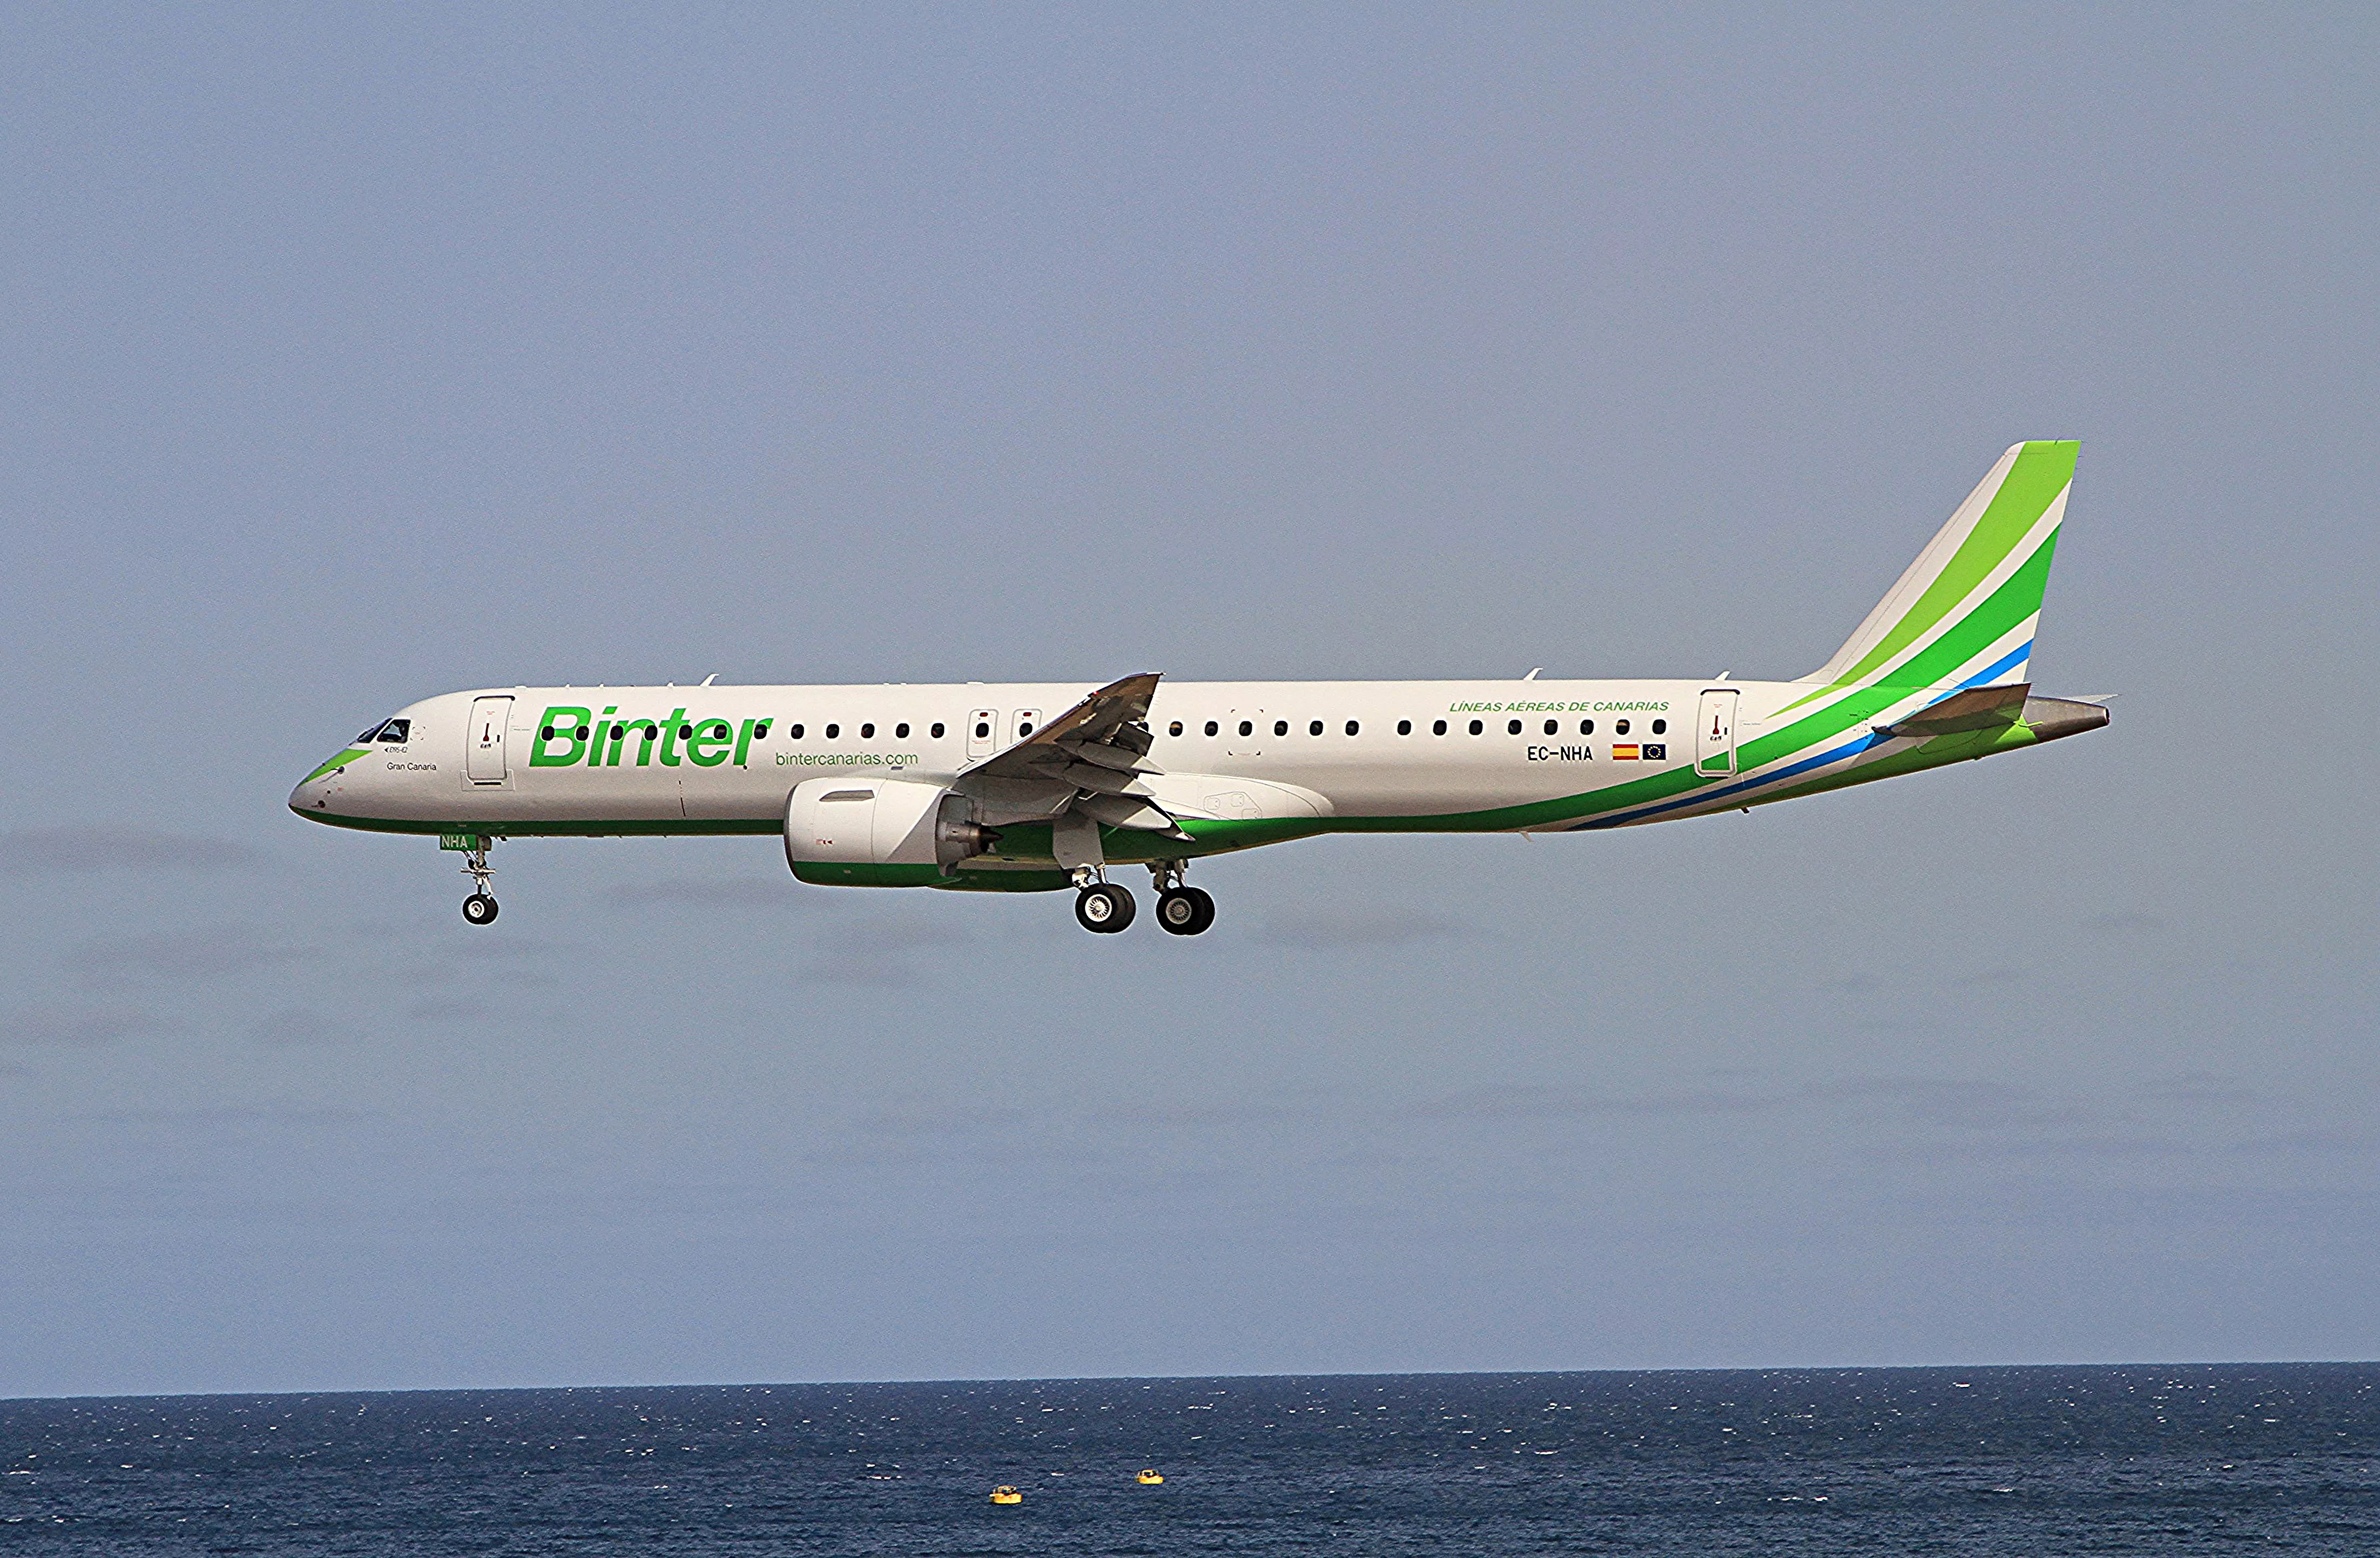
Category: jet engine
<point>862,819</point>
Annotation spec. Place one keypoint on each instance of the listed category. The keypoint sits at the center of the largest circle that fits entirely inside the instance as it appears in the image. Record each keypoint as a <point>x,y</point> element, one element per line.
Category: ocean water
<point>2037,1461</point>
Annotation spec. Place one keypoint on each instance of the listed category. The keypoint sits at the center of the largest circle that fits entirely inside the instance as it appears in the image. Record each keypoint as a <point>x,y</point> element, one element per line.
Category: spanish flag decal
<point>1624,754</point>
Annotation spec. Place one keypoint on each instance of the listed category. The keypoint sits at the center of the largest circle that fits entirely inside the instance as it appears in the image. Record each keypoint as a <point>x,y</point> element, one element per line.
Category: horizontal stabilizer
<point>1978,707</point>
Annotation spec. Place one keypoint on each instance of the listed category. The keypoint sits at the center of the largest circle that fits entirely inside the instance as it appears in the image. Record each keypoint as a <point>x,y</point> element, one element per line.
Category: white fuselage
<point>1354,749</point>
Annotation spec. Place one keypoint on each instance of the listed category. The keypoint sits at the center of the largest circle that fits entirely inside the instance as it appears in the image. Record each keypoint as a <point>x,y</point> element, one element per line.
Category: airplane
<point>1030,788</point>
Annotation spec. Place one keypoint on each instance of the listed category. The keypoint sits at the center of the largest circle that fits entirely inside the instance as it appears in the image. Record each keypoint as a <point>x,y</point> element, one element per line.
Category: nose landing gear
<point>479,908</point>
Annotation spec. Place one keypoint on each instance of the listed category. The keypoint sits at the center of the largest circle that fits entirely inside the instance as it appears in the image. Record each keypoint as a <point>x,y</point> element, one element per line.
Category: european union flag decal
<point>1656,752</point>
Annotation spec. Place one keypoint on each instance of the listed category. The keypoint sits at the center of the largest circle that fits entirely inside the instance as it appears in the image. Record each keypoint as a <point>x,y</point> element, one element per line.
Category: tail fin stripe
<point>1995,671</point>
<point>2010,606</point>
<point>1831,722</point>
<point>2032,486</point>
<point>2015,505</point>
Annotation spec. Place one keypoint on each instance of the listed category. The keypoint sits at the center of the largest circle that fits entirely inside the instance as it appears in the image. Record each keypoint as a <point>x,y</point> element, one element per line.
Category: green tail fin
<point>1983,572</point>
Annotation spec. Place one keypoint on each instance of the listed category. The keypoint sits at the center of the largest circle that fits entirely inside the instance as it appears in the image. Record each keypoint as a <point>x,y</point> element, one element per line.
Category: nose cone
<point>313,796</point>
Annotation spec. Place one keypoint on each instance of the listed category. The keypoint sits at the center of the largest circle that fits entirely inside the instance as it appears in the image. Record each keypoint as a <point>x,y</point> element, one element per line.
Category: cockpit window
<point>396,730</point>
<point>365,739</point>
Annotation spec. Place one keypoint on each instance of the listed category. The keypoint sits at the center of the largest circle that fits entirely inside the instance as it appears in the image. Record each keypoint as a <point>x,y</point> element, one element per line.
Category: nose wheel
<point>479,908</point>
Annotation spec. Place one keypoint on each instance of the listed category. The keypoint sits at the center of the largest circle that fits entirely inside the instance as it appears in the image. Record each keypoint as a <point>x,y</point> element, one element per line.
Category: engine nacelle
<point>856,820</point>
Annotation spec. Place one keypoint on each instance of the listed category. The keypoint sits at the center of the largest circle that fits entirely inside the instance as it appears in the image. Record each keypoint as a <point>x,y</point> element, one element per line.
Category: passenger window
<point>1315,729</point>
<point>1405,727</point>
<point>1513,727</point>
<point>1210,728</point>
<point>1620,728</point>
<point>545,732</point>
<point>1586,727</point>
<point>1476,727</point>
<point>868,731</point>
<point>936,731</point>
<point>1660,727</point>
<point>1438,727</point>
<point>795,733</point>
<point>900,731</point>
<point>1352,727</point>
<point>832,731</point>
<point>1280,727</point>
<point>983,730</point>
<point>1553,727</point>
<point>685,732</point>
<point>760,731</point>
<point>1173,729</point>
<point>395,731</point>
<point>1246,729</point>
<point>1026,728</point>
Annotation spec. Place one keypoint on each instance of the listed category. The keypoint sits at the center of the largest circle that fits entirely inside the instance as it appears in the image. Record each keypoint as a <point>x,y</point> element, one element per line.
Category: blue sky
<point>349,355</point>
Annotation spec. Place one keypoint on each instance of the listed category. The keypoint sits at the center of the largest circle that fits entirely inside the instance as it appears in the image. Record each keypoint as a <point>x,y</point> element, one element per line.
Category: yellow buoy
<point>1006,1495</point>
<point>1149,1478</point>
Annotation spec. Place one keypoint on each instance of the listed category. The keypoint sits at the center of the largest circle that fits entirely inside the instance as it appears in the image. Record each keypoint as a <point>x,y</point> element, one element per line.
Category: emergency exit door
<point>982,731</point>
<point>1715,734</point>
<point>483,744</point>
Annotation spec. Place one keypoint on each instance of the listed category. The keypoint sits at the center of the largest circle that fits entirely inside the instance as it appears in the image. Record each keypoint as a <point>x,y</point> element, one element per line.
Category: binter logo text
<point>567,735</point>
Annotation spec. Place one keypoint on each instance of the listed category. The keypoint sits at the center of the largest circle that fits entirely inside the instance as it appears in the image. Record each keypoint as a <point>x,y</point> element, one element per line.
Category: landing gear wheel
<point>1185,912</point>
<point>1103,908</point>
<point>480,910</point>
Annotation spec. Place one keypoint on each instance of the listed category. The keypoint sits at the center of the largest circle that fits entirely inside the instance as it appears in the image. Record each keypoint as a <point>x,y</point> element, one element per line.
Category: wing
<point>1086,763</point>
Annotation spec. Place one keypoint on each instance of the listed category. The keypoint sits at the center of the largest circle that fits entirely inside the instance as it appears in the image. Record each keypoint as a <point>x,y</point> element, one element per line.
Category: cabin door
<point>1715,734</point>
<point>483,744</point>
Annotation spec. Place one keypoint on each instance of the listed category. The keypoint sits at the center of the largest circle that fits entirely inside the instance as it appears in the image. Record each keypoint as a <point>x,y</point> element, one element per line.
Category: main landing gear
<point>1182,909</point>
<point>1185,912</point>
<point>1105,908</point>
<point>479,908</point>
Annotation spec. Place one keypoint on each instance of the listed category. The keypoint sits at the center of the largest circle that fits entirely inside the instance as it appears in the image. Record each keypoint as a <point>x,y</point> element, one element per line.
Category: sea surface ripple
<point>2169,1460</point>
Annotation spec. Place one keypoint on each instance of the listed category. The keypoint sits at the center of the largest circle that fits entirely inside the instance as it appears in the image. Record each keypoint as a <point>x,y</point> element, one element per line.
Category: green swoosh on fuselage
<point>350,755</point>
